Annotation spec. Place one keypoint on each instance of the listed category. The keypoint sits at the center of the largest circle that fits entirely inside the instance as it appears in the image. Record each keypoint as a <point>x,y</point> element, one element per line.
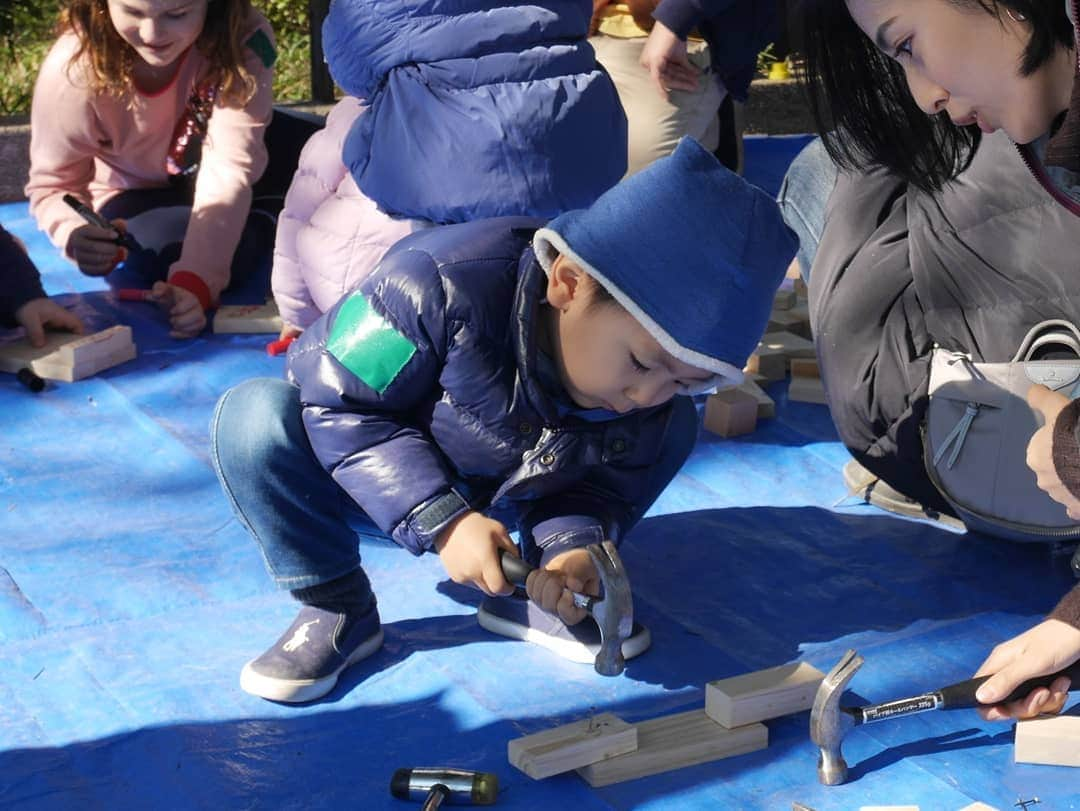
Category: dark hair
<point>863,106</point>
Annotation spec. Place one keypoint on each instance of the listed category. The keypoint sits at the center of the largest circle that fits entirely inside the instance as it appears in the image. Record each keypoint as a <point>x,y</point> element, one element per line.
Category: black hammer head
<point>828,724</point>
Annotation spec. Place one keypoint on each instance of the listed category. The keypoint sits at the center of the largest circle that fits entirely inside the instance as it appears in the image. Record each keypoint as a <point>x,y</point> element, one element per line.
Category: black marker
<point>125,239</point>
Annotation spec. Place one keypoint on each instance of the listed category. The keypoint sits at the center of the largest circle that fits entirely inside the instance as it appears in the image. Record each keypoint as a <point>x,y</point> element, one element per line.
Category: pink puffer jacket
<point>329,235</point>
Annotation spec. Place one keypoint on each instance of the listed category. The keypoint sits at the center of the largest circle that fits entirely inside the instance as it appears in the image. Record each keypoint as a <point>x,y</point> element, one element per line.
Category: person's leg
<point>656,124</point>
<point>803,198</point>
<point>305,526</point>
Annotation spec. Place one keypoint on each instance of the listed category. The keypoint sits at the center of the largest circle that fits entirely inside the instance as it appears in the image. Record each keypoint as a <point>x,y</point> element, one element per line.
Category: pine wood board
<point>762,694</point>
<point>1053,740</point>
<point>674,741</point>
<point>69,357</point>
<point>248,319</point>
<point>571,746</point>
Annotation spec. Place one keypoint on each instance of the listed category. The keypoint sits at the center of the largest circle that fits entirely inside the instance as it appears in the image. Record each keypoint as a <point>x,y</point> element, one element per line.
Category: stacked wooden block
<point>604,749</point>
<point>248,318</point>
<point>66,356</point>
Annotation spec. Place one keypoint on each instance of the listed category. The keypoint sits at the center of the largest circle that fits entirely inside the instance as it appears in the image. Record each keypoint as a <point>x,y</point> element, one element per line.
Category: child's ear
<point>564,282</point>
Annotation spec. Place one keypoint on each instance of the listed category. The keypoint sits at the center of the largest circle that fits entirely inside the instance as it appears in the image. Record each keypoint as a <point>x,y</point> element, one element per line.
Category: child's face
<point>605,358</point>
<point>159,30</point>
<point>966,62</point>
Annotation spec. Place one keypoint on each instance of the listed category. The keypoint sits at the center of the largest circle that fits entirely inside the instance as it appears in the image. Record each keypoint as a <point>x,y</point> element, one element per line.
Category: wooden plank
<point>785,297</point>
<point>795,319</point>
<point>762,694</point>
<point>674,741</point>
<point>248,319</point>
<point>805,367</point>
<point>572,746</point>
<point>888,808</point>
<point>1054,740</point>
<point>978,807</point>
<point>66,356</point>
<point>730,412</point>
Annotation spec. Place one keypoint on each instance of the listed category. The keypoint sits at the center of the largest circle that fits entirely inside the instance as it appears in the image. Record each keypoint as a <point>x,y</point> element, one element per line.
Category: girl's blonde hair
<point>111,60</point>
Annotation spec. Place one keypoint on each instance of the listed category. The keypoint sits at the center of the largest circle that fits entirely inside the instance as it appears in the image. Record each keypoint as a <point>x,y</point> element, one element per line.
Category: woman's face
<point>160,31</point>
<point>966,62</point>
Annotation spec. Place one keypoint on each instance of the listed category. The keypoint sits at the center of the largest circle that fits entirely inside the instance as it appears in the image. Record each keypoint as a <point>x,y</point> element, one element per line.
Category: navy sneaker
<point>305,662</point>
<point>524,619</point>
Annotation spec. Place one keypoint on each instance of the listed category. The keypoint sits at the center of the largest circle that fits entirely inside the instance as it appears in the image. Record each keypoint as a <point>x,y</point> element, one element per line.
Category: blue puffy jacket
<point>421,399</point>
<point>476,109</point>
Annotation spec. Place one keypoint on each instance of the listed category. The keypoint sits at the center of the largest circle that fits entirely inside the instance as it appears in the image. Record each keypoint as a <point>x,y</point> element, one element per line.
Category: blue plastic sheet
<point>130,598</point>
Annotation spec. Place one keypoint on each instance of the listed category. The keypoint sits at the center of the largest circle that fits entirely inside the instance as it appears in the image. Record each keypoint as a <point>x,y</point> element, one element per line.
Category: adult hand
<point>551,587</point>
<point>1040,452</point>
<point>664,56</point>
<point>186,315</point>
<point>469,549</point>
<point>1047,648</point>
<point>94,249</point>
<point>39,313</point>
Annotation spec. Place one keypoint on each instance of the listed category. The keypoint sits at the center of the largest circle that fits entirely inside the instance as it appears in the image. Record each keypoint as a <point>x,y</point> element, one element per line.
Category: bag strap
<point>1052,331</point>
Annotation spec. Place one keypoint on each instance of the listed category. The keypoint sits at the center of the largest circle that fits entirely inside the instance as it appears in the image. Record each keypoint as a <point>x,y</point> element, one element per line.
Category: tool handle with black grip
<point>514,569</point>
<point>962,694</point>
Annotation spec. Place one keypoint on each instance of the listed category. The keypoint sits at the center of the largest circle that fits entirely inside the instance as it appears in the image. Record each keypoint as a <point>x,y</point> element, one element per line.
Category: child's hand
<point>1040,451</point>
<point>1047,648</point>
<point>550,587</point>
<point>95,250</point>
<point>469,549</point>
<point>289,331</point>
<point>186,316</point>
<point>39,313</point>
<point>664,56</point>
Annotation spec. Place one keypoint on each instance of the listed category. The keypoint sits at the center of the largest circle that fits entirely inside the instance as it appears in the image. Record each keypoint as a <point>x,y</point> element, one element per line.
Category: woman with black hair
<point>904,92</point>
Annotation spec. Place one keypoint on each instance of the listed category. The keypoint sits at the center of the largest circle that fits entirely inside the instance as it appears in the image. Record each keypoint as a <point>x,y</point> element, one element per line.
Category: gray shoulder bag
<point>978,425</point>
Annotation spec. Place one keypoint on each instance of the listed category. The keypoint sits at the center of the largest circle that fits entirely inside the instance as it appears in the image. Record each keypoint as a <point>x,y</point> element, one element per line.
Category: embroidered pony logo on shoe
<point>299,638</point>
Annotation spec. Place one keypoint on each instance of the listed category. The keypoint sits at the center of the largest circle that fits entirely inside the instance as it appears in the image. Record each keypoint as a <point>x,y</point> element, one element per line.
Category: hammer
<point>613,610</point>
<point>829,722</point>
<point>452,786</point>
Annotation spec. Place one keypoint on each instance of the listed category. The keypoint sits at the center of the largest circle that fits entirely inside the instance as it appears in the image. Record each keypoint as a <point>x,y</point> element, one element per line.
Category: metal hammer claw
<point>613,610</point>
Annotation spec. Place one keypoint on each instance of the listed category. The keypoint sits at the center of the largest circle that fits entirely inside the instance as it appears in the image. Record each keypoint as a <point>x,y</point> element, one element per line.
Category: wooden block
<point>785,298</point>
<point>795,319</point>
<point>766,406</point>
<point>248,318</point>
<point>801,290</point>
<point>674,741</point>
<point>1054,740</point>
<point>805,367</point>
<point>66,356</point>
<point>572,746</point>
<point>888,808</point>
<point>768,365</point>
<point>730,413</point>
<point>792,346</point>
<point>807,390</point>
<point>978,807</point>
<point>762,694</point>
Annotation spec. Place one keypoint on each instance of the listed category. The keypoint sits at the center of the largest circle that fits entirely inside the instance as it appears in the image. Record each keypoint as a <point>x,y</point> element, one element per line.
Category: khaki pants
<point>657,124</point>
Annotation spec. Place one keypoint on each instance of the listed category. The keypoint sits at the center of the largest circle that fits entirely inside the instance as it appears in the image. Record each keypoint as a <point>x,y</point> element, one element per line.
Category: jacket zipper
<point>1036,169</point>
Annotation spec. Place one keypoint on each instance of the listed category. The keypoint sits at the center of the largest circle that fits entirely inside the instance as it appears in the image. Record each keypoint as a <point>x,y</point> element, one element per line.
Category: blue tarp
<point>130,598</point>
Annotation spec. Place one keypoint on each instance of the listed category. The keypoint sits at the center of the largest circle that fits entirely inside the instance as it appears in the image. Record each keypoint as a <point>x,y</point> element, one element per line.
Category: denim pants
<point>803,198</point>
<point>305,524</point>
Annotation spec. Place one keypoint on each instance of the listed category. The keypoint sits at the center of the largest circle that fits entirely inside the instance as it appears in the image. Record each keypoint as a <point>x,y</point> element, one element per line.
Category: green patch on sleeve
<point>260,44</point>
<point>367,345</point>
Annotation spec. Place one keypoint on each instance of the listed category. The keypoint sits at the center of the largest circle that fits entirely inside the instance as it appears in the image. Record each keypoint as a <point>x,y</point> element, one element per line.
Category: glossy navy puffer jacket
<point>421,398</point>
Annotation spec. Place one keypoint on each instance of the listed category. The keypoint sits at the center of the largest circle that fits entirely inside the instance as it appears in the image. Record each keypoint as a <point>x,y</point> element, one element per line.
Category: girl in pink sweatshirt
<point>154,113</point>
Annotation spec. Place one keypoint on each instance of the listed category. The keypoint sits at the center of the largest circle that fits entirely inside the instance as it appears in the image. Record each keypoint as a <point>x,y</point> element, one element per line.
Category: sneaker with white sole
<point>304,664</point>
<point>874,490</point>
<point>523,619</point>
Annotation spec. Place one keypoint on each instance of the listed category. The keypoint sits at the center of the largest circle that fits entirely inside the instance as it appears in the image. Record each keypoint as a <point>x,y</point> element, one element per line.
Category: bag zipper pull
<point>957,436</point>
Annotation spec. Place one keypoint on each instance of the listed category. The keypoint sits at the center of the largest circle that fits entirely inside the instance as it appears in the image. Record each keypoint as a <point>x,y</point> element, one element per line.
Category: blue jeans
<point>803,197</point>
<point>305,524</point>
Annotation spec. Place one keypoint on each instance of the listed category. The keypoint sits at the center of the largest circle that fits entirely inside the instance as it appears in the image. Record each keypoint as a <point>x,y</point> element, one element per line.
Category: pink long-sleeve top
<point>97,145</point>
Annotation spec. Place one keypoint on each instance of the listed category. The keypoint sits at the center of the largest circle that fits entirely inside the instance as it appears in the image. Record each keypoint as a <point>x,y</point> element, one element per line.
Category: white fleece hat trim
<point>548,244</point>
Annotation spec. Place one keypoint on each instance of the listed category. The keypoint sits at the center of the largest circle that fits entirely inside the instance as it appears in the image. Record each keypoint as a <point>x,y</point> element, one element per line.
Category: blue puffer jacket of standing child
<point>451,399</point>
<point>476,108</point>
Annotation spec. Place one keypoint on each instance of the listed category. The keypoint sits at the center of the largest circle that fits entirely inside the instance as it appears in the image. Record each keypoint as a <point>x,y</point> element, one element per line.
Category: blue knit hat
<point>690,249</point>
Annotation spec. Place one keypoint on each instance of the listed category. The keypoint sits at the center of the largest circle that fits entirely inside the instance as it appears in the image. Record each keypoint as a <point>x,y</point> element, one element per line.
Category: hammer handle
<point>514,569</point>
<point>962,694</point>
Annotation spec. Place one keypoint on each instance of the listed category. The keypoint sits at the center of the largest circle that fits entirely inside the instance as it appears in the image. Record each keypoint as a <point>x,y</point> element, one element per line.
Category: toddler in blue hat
<point>494,376</point>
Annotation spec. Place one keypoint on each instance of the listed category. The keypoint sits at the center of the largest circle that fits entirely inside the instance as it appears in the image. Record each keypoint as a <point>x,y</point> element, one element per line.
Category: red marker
<point>132,294</point>
<point>279,347</point>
